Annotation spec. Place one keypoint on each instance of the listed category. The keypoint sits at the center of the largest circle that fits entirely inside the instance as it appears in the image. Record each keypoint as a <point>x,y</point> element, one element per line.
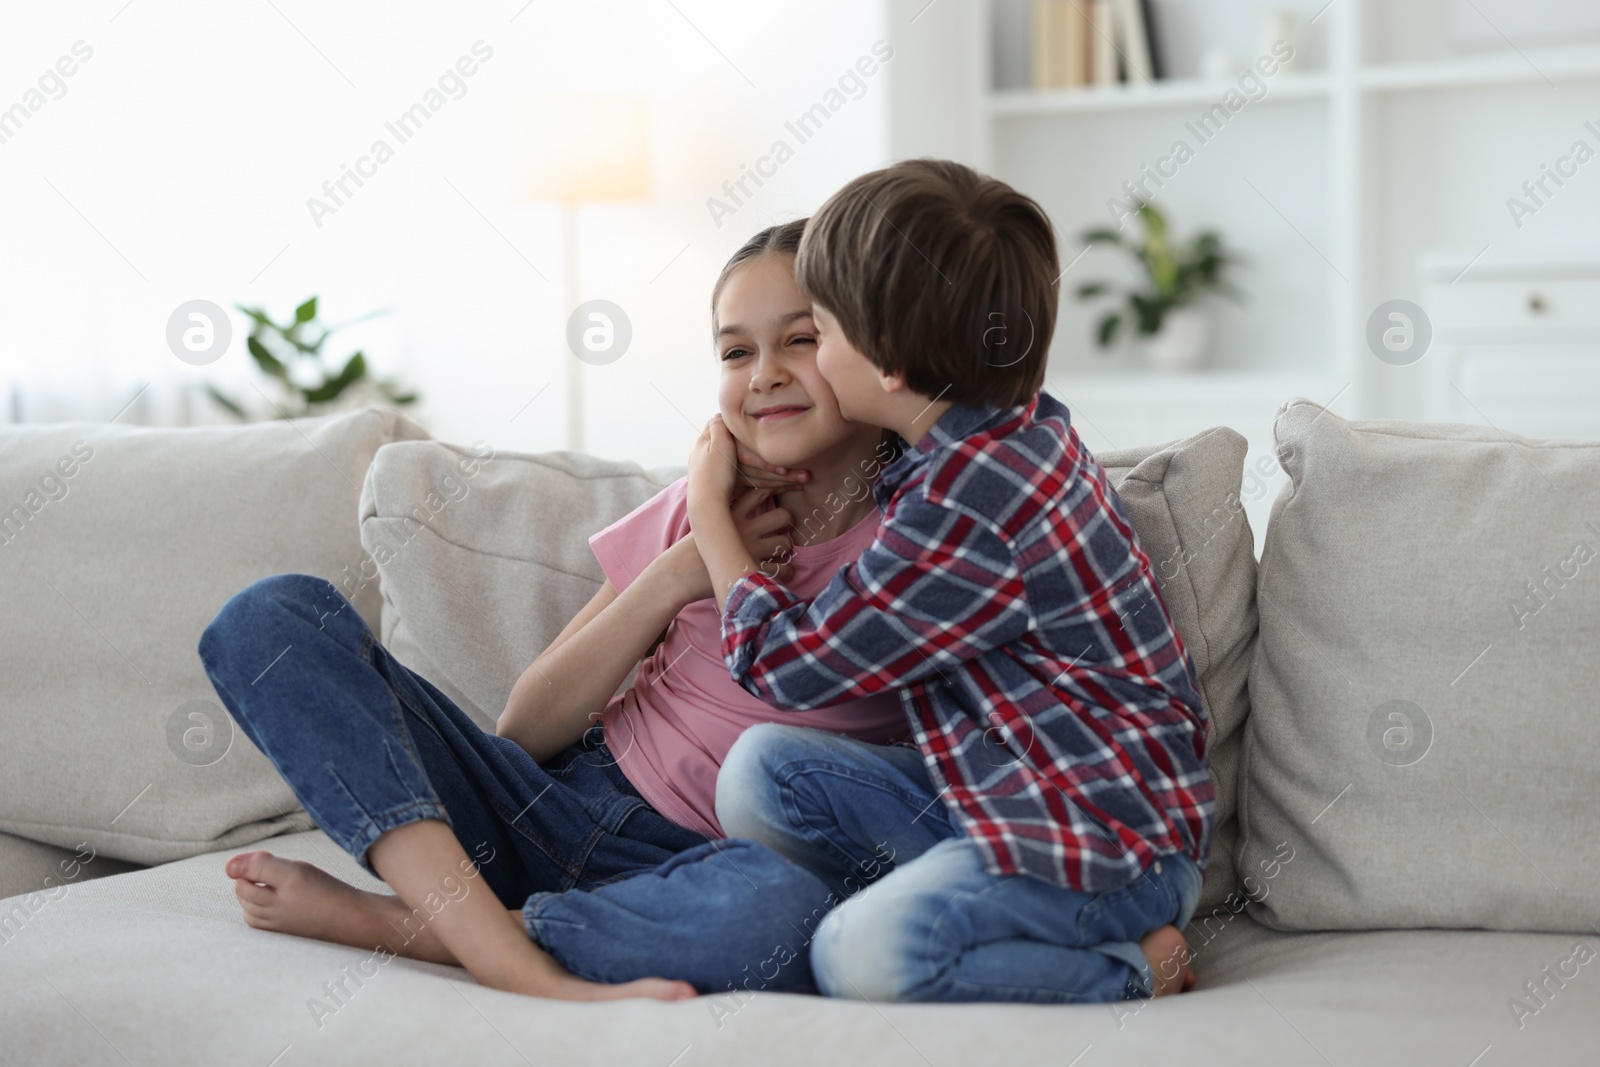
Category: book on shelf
<point>1075,43</point>
<point>1060,44</point>
<point>1102,19</point>
<point>1152,38</point>
<point>1133,42</point>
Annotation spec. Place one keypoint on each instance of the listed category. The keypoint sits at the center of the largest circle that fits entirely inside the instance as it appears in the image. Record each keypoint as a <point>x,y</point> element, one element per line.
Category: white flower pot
<point>1182,343</point>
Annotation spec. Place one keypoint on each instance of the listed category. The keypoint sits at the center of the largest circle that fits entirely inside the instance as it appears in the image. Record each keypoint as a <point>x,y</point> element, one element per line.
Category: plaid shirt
<point>1044,680</point>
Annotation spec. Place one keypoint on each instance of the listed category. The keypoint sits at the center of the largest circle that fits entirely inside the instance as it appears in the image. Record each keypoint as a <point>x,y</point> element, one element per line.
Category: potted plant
<point>1162,312</point>
<point>291,355</point>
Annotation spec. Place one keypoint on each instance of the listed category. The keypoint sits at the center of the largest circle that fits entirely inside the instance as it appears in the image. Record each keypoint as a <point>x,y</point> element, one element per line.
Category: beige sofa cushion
<point>1423,732</point>
<point>1183,500</point>
<point>118,545</point>
<point>484,556</point>
<point>34,867</point>
<point>158,967</point>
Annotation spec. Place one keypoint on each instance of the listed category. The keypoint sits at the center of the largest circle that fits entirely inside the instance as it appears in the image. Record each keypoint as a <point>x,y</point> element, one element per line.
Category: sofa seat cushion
<point>1423,729</point>
<point>158,966</point>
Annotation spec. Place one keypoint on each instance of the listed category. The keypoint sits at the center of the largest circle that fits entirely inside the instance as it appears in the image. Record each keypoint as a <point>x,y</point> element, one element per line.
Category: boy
<point>1050,833</point>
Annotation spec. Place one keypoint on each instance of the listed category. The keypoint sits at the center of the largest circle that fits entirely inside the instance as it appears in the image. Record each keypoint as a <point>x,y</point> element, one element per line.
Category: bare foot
<point>1168,955</point>
<point>293,897</point>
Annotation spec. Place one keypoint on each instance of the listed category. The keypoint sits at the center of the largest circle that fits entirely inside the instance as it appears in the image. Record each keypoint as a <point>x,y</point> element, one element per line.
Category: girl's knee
<point>254,610</point>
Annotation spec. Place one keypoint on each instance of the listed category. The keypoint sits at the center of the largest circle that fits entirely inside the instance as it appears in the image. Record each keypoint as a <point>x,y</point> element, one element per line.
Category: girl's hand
<point>766,534</point>
<point>757,474</point>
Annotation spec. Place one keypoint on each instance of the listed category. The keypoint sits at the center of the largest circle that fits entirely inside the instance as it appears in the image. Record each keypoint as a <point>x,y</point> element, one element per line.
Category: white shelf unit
<point>1388,149</point>
<point>1007,102</point>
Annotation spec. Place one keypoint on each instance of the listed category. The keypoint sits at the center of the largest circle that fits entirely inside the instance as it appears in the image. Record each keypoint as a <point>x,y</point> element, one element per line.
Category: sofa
<point>1402,727</point>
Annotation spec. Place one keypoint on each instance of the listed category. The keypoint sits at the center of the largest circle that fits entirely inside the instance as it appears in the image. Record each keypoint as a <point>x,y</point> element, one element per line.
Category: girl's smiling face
<point>771,395</point>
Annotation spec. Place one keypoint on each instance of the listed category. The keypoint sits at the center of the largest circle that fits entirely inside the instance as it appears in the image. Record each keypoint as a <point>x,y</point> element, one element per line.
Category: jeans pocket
<point>1103,915</point>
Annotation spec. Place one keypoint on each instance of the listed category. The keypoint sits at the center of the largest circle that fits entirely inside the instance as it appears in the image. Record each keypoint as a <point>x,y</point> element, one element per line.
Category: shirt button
<point>1158,866</point>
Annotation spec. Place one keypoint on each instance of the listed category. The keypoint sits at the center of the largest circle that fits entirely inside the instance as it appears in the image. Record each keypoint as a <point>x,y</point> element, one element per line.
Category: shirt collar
<point>959,423</point>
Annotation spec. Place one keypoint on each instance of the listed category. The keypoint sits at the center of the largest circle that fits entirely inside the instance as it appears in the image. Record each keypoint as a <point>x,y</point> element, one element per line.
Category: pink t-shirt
<point>671,731</point>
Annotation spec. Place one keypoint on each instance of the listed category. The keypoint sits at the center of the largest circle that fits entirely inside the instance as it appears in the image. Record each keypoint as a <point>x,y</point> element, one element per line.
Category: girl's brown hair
<point>784,237</point>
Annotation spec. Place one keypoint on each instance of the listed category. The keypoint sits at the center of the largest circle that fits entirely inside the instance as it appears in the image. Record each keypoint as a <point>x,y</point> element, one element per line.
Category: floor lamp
<point>585,149</point>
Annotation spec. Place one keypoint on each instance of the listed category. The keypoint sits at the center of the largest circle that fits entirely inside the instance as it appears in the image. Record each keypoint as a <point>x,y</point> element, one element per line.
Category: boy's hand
<point>766,538</point>
<point>713,469</point>
<point>717,533</point>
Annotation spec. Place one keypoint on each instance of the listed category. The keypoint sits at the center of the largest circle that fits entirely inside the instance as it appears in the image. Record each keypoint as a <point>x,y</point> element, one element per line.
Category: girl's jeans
<point>936,926</point>
<point>610,887</point>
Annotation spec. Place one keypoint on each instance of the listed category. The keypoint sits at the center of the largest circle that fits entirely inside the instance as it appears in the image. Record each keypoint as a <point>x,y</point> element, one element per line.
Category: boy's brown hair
<point>941,274</point>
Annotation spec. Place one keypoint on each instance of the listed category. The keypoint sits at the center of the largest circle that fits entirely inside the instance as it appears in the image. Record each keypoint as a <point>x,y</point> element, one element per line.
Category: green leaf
<point>329,390</point>
<point>237,411</point>
<point>1148,311</point>
<point>388,388</point>
<point>267,361</point>
<point>1100,236</point>
<point>259,316</point>
<point>354,368</point>
<point>1092,289</point>
<point>308,349</point>
<point>1155,223</point>
<point>307,311</point>
<point>1107,331</point>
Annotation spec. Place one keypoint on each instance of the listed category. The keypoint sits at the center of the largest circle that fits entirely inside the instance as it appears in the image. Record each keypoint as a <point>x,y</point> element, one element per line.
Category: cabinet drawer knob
<point>1536,304</point>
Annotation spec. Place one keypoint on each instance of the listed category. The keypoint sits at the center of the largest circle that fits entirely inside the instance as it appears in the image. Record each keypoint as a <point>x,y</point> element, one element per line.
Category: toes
<point>660,989</point>
<point>263,868</point>
<point>249,865</point>
<point>250,893</point>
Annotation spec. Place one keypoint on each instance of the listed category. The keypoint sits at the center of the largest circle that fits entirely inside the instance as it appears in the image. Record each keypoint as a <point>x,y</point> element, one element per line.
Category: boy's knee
<point>858,953</point>
<point>747,783</point>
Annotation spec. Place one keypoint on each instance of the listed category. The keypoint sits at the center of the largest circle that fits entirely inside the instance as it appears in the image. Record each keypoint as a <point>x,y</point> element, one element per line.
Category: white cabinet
<point>1516,347</point>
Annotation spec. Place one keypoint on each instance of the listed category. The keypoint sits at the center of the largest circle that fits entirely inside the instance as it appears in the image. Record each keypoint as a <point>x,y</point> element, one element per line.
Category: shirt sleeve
<point>935,589</point>
<point>629,545</point>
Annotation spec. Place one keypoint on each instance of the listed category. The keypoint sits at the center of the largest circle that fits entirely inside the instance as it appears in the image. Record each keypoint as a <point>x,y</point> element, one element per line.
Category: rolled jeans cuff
<point>378,825</point>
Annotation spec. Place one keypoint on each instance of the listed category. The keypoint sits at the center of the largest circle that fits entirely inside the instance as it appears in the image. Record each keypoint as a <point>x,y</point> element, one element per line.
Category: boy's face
<point>770,392</point>
<point>852,377</point>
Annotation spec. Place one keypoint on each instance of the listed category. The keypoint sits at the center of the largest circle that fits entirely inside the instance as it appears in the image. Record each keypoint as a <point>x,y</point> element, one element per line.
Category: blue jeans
<point>610,887</point>
<point>921,919</point>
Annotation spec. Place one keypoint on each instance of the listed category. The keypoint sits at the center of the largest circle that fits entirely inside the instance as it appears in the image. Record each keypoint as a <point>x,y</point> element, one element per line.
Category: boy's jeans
<point>611,888</point>
<point>937,926</point>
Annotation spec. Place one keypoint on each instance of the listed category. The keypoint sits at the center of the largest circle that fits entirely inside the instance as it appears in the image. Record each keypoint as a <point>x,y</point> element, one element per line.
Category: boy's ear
<point>890,383</point>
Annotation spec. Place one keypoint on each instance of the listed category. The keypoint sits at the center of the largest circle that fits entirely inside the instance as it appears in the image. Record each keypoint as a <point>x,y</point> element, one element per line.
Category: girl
<point>576,789</point>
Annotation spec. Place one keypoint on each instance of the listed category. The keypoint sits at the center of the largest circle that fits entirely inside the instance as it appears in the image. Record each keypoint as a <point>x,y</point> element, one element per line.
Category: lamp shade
<point>588,147</point>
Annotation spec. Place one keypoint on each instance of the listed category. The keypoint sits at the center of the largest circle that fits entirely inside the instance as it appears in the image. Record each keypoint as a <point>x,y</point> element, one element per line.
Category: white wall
<point>178,162</point>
